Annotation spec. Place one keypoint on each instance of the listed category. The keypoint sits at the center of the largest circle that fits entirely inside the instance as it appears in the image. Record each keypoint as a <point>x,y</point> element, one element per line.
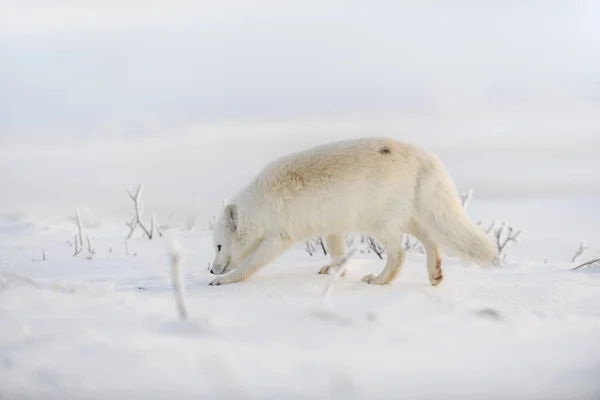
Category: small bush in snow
<point>137,218</point>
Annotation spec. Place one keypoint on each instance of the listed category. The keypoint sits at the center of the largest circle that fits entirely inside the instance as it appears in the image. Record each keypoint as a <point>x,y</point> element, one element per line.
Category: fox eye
<point>218,247</point>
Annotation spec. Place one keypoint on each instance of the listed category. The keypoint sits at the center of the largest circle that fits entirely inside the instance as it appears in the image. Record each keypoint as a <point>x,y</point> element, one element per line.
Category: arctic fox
<point>376,186</point>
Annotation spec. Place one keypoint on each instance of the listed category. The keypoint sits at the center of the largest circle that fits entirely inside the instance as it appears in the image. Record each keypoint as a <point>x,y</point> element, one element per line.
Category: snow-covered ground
<point>193,98</point>
<point>108,327</point>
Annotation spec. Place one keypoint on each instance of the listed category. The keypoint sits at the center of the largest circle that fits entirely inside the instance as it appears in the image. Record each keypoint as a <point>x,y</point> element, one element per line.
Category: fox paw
<point>326,270</point>
<point>436,278</point>
<point>218,281</point>
<point>375,280</point>
<point>370,279</point>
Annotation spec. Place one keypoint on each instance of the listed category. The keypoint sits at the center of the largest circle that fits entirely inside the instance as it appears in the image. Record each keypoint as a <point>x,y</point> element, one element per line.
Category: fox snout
<point>217,269</point>
<point>211,269</point>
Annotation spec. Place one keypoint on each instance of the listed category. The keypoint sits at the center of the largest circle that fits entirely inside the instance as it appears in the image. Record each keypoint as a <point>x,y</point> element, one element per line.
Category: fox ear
<point>232,217</point>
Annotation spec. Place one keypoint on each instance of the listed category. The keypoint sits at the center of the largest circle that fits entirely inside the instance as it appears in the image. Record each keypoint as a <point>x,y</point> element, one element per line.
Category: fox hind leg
<point>434,260</point>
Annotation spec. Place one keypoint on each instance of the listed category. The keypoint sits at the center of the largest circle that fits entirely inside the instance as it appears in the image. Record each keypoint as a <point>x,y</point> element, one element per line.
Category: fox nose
<point>211,271</point>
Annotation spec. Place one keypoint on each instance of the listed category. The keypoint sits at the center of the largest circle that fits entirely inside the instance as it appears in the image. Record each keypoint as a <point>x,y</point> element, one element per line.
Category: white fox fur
<point>376,186</point>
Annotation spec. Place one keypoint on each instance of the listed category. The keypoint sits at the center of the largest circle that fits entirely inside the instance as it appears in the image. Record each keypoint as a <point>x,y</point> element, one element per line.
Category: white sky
<point>193,97</point>
<point>96,67</point>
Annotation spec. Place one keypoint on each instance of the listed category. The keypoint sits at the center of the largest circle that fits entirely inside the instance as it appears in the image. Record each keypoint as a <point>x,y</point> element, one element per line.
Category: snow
<point>109,327</point>
<point>192,99</point>
<point>72,328</point>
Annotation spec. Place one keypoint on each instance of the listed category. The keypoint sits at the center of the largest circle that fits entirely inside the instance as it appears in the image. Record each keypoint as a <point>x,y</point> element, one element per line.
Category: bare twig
<point>91,249</point>
<point>77,248</point>
<point>377,249</point>
<point>43,256</point>
<point>139,208</point>
<point>137,219</point>
<point>308,246</point>
<point>504,235</point>
<point>132,225</point>
<point>587,264</point>
<point>77,244</point>
<point>311,246</point>
<point>582,249</point>
<point>488,229</point>
<point>349,241</point>
<point>176,258</point>
<point>465,198</point>
<point>155,226</point>
<point>79,228</point>
<point>321,242</point>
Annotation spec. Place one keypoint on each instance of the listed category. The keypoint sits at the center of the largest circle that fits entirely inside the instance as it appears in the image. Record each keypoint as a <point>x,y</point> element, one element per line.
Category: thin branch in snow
<point>488,229</point>
<point>43,256</point>
<point>76,247</point>
<point>311,246</point>
<point>90,248</point>
<point>156,226</point>
<point>176,257</point>
<point>375,247</point>
<point>308,246</point>
<point>587,264</point>
<point>321,242</point>
<point>582,249</point>
<point>349,241</point>
<point>137,219</point>
<point>79,228</point>
<point>139,208</point>
<point>132,225</point>
<point>77,244</point>
<point>465,198</point>
<point>504,235</point>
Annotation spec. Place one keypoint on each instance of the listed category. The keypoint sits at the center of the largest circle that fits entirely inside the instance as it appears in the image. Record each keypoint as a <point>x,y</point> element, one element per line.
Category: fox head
<point>226,241</point>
